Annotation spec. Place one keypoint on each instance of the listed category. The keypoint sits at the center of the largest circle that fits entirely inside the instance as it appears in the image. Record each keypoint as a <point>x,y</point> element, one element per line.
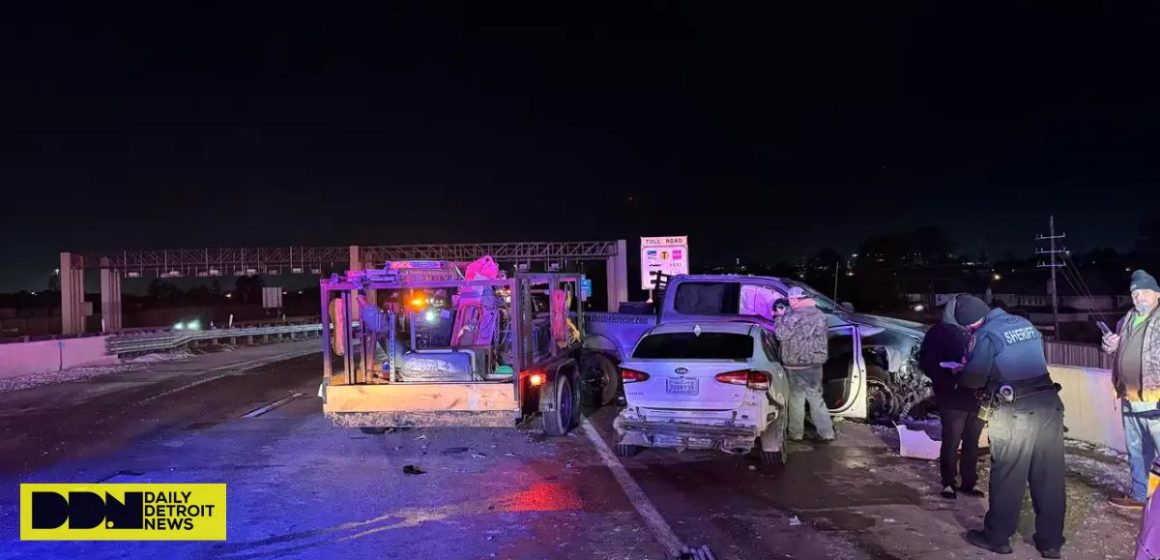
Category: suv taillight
<point>749,378</point>
<point>632,376</point>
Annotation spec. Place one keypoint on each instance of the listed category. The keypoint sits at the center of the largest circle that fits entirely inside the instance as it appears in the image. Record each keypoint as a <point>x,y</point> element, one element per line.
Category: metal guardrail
<point>1076,354</point>
<point>158,341</point>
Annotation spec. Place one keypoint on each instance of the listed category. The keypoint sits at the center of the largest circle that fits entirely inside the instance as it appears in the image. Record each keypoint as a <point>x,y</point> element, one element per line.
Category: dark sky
<point>763,133</point>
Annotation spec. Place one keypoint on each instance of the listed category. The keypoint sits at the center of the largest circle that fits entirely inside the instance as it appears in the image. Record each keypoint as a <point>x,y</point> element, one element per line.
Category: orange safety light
<point>536,379</point>
<point>418,302</point>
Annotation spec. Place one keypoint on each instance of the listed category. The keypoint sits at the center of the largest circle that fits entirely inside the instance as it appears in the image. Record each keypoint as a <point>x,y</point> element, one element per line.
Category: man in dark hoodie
<point>959,407</point>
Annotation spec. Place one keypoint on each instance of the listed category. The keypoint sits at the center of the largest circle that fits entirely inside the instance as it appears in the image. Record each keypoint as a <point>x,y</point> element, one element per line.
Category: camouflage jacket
<point>802,334</point>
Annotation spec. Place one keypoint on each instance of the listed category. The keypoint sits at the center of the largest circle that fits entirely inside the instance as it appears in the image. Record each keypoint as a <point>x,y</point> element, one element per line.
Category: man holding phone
<point>1136,378</point>
<point>944,343</point>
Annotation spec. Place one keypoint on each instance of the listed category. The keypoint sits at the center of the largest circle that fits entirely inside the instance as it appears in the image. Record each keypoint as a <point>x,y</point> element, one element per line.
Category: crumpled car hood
<point>901,326</point>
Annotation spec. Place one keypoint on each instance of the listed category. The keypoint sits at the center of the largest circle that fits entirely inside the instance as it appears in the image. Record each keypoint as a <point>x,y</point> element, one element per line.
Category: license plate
<point>681,386</point>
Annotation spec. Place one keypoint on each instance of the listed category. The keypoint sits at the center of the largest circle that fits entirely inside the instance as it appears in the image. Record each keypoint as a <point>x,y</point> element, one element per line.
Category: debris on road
<point>794,521</point>
<point>421,437</point>
<point>412,469</point>
<point>479,456</point>
<point>701,553</point>
<point>916,444</point>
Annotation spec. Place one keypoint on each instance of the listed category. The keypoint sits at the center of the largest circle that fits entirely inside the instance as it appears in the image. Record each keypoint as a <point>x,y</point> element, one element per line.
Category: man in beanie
<point>1005,357</point>
<point>959,407</point>
<point>1136,377</point>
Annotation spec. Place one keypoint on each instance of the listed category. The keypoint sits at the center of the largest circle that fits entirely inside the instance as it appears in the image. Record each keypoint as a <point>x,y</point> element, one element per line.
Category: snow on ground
<point>78,373</point>
<point>160,357</point>
<point>1099,466</point>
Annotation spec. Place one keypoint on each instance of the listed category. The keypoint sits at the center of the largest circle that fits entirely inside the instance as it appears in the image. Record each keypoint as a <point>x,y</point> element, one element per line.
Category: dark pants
<point>960,426</point>
<point>1027,448</point>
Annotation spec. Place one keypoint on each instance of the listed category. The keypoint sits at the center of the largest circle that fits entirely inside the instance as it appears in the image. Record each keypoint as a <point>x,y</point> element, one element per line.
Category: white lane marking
<point>657,524</point>
<point>233,369</point>
<point>260,411</point>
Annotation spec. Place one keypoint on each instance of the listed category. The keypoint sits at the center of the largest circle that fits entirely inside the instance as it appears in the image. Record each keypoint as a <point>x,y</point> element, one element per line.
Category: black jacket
<point>947,342</point>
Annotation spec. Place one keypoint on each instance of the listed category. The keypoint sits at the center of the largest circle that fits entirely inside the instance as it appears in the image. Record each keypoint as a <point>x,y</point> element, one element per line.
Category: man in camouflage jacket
<point>801,333</point>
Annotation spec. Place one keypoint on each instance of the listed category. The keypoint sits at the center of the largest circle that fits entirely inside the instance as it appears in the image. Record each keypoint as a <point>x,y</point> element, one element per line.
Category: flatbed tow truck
<point>436,346</point>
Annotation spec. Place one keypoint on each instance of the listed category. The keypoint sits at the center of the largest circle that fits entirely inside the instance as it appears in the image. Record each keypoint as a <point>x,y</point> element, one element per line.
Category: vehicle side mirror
<point>847,306</point>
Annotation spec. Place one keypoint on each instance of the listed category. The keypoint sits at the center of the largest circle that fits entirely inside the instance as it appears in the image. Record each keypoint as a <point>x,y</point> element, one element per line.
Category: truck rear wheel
<point>599,380</point>
<point>627,450</point>
<point>563,411</point>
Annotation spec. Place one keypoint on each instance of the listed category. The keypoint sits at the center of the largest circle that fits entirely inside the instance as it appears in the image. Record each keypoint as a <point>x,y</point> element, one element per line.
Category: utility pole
<point>1051,237</point>
<point>837,265</point>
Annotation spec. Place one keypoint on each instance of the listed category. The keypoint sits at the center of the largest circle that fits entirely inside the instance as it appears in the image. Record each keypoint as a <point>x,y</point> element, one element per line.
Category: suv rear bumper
<point>685,429</point>
<point>684,434</point>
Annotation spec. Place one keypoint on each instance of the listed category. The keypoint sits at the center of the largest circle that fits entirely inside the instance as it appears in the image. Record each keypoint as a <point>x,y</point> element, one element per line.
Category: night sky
<point>763,134</point>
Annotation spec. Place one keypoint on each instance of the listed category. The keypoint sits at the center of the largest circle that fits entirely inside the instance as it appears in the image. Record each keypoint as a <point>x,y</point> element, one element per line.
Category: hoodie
<point>947,342</point>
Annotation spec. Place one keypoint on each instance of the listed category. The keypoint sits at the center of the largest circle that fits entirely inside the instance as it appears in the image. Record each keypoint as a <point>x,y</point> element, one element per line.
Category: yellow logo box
<point>123,512</point>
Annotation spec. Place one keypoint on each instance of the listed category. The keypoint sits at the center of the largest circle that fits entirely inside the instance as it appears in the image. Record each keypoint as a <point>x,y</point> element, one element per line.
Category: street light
<point>997,277</point>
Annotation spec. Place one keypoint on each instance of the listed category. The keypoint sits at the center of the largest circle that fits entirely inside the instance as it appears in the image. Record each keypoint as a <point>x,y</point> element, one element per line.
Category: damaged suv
<point>873,370</point>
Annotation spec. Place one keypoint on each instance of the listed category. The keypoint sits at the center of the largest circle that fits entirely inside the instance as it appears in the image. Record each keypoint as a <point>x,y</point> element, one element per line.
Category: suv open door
<point>844,375</point>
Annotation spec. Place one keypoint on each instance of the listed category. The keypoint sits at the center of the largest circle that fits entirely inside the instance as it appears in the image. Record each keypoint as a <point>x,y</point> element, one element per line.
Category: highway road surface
<point>301,488</point>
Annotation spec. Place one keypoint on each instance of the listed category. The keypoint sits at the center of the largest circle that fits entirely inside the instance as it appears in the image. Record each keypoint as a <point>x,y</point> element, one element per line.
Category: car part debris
<point>412,469</point>
<point>794,521</point>
<point>914,441</point>
<point>701,553</point>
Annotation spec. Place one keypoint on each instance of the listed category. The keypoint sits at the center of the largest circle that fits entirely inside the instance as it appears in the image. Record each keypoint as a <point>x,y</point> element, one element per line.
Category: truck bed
<point>616,333</point>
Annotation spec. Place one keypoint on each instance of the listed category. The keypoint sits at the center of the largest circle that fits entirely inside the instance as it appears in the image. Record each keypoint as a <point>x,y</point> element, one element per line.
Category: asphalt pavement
<point>299,487</point>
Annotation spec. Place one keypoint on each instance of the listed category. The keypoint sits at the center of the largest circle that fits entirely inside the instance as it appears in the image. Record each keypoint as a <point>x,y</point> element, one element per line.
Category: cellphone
<point>1103,328</point>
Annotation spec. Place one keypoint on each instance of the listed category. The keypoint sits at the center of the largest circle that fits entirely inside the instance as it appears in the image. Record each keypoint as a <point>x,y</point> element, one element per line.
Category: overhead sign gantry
<point>270,261</point>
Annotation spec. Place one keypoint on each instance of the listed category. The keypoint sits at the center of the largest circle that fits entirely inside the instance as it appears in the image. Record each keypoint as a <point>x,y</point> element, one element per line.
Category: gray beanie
<point>1143,281</point>
<point>969,310</point>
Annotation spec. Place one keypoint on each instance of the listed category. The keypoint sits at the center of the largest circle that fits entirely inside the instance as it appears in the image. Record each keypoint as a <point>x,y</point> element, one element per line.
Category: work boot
<point>948,493</point>
<point>979,538</point>
<point>1050,553</point>
<point>1126,502</point>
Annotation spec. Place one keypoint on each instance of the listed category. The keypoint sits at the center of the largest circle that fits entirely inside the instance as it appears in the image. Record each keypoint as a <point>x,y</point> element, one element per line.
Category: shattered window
<point>769,345</point>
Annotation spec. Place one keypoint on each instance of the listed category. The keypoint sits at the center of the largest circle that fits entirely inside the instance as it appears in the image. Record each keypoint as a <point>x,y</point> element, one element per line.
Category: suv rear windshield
<point>689,346</point>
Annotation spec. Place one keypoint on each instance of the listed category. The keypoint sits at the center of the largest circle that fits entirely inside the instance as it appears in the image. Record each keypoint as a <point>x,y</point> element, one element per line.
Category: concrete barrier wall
<point>25,358</point>
<point>1092,412</point>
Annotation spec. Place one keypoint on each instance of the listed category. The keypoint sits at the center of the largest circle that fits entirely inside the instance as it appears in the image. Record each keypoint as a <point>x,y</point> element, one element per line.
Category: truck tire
<point>563,407</point>
<point>627,450</point>
<point>599,381</point>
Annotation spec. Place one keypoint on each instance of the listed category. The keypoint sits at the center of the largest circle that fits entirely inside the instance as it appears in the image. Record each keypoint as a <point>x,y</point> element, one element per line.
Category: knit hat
<point>1143,281</point>
<point>969,310</point>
